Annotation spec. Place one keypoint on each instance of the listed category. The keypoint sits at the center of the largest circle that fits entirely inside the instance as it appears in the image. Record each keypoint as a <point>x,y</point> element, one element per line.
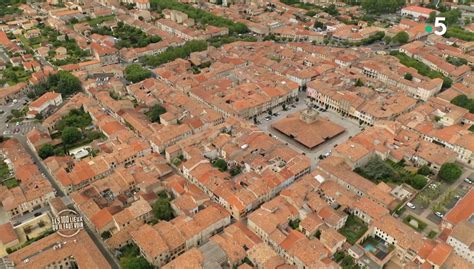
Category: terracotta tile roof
<point>462,210</point>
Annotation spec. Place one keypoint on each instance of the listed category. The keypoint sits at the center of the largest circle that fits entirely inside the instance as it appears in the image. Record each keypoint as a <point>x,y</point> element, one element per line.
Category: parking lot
<point>351,128</point>
<point>438,197</point>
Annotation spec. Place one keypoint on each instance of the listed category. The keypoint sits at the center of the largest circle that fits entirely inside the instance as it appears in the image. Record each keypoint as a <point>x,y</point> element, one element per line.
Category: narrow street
<point>59,193</point>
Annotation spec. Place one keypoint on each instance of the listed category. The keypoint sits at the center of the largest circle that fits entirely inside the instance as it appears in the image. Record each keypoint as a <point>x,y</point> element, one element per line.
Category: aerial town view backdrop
<point>289,134</point>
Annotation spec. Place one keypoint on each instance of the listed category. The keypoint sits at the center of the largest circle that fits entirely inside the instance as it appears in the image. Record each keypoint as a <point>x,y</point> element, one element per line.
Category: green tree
<point>71,135</point>
<point>135,73</point>
<point>377,170</point>
<point>173,53</point>
<point>387,39</point>
<point>424,170</point>
<point>464,101</point>
<point>162,209</point>
<point>401,38</point>
<point>106,235</point>
<point>318,24</point>
<point>155,112</point>
<point>382,6</point>
<point>45,151</point>
<point>450,172</point>
<point>408,76</point>
<point>331,10</point>
<point>359,83</point>
<point>418,181</point>
<point>62,82</point>
<point>221,164</point>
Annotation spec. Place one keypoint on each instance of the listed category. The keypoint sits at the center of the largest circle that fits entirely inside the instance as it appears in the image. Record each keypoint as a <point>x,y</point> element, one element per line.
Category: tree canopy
<point>136,73</point>
<point>173,53</point>
<point>155,112</point>
<point>200,16</point>
<point>162,209</point>
<point>75,118</point>
<point>401,38</point>
<point>221,164</point>
<point>45,151</point>
<point>70,135</point>
<point>464,101</point>
<point>129,36</point>
<point>62,82</point>
<point>382,6</point>
<point>449,172</point>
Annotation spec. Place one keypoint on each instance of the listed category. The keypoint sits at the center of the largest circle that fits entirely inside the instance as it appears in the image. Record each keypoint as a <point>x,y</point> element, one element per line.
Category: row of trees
<point>382,6</point>
<point>422,68</point>
<point>200,16</point>
<point>173,53</point>
<point>458,32</point>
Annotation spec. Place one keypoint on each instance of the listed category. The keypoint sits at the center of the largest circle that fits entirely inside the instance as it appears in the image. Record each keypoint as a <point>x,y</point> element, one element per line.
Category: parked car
<point>410,205</point>
<point>467,180</point>
<point>439,214</point>
<point>268,118</point>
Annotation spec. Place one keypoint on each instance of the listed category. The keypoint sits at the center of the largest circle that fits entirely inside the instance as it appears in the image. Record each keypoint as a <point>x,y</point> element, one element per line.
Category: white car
<point>439,214</point>
<point>467,180</point>
<point>410,205</point>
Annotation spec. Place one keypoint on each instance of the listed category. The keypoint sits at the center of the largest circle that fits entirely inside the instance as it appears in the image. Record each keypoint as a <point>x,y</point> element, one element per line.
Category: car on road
<point>293,106</point>
<point>268,118</point>
<point>276,114</point>
<point>439,214</point>
<point>467,180</point>
<point>37,214</point>
<point>410,205</point>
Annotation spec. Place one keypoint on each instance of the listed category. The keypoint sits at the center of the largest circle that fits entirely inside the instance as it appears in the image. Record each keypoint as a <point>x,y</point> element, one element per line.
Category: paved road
<point>95,237</point>
<point>352,128</point>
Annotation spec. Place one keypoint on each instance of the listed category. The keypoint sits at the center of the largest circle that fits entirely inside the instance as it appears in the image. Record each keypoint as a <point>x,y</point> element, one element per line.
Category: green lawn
<point>421,224</point>
<point>353,229</point>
